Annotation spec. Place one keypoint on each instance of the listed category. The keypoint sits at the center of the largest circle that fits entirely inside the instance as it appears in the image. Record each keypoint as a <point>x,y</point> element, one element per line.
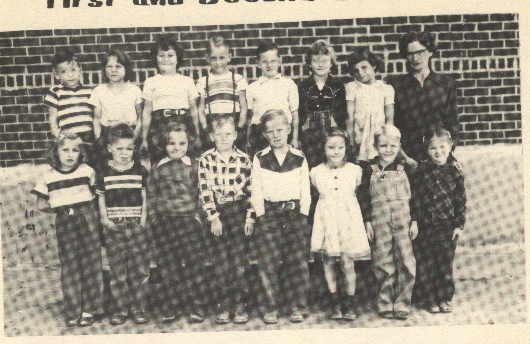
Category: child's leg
<point>347,266</point>
<point>67,229</point>
<point>406,265</point>
<point>268,245</point>
<point>429,258</point>
<point>116,248</point>
<point>445,253</point>
<point>169,262</point>
<point>330,274</point>
<point>138,259</point>
<point>296,258</point>
<point>90,254</point>
<point>383,259</point>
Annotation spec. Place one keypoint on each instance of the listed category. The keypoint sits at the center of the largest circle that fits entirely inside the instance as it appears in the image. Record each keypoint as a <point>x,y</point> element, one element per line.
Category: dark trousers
<point>127,247</point>
<point>79,251</point>
<point>179,239</point>
<point>282,236</point>
<point>229,252</point>
<point>439,256</point>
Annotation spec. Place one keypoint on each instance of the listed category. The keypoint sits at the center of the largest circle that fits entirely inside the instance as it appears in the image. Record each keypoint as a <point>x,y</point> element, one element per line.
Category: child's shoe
<point>445,307</point>
<point>72,322</point>
<point>197,314</point>
<point>140,318</point>
<point>86,320</point>
<point>336,313</point>
<point>117,319</point>
<point>241,315</point>
<point>401,315</point>
<point>350,310</point>
<point>296,316</point>
<point>223,316</point>
<point>433,308</point>
<point>270,318</point>
<point>168,317</point>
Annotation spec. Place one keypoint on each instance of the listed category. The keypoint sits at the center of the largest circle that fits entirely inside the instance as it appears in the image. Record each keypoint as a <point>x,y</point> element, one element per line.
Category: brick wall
<point>480,51</point>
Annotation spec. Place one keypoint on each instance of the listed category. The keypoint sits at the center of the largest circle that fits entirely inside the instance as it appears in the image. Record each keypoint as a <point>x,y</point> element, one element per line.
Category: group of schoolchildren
<point>305,191</point>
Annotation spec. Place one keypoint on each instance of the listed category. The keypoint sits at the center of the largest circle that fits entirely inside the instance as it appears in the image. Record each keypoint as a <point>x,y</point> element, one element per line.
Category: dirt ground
<point>490,290</point>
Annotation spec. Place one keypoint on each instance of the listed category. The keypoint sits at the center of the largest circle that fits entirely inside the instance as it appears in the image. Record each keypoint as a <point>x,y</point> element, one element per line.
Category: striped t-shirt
<point>62,188</point>
<point>219,93</point>
<point>74,112</point>
<point>123,190</point>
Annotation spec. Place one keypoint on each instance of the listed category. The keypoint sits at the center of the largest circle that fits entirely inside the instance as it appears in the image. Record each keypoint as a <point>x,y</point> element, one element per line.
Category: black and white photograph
<point>258,171</point>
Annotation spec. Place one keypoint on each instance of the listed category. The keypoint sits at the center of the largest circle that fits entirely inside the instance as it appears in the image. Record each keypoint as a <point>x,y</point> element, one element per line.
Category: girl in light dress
<point>369,102</point>
<point>338,228</point>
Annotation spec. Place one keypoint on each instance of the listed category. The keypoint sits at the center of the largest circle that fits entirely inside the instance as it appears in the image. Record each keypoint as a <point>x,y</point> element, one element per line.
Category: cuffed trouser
<point>282,236</point>
<point>127,248</point>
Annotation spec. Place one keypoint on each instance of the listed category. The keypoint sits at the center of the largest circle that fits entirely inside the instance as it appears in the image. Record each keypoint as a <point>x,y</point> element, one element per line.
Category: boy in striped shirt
<point>121,189</point>
<point>68,102</point>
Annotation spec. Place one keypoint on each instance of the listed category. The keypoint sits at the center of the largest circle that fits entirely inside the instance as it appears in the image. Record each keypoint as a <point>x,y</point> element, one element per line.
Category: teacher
<point>423,99</point>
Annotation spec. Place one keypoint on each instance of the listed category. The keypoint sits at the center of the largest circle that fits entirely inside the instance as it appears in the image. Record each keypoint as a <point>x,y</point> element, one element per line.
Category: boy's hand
<point>456,234</point>
<point>56,132</point>
<point>295,143</point>
<point>249,228</point>
<point>217,227</point>
<point>144,147</point>
<point>369,231</point>
<point>413,231</point>
<point>107,224</point>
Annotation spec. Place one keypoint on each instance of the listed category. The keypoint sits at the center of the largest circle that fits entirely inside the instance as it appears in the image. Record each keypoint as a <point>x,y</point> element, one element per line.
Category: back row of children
<point>271,194</point>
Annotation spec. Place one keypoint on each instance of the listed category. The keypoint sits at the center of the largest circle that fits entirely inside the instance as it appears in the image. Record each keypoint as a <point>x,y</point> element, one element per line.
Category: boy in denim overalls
<point>385,195</point>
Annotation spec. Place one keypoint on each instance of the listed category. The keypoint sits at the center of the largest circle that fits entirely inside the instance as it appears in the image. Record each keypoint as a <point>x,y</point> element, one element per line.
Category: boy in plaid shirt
<point>441,205</point>
<point>224,182</point>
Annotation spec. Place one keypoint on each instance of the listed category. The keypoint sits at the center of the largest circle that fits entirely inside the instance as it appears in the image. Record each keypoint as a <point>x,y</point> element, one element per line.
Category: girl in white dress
<point>369,102</point>
<point>338,228</point>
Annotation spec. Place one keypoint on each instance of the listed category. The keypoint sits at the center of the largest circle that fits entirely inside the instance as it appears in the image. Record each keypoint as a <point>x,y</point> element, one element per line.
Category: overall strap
<point>375,168</point>
<point>400,168</point>
<point>234,95</point>
<point>208,94</point>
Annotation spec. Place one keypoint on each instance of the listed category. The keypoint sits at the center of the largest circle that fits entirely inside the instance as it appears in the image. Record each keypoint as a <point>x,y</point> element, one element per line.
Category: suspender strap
<point>375,168</point>
<point>208,94</point>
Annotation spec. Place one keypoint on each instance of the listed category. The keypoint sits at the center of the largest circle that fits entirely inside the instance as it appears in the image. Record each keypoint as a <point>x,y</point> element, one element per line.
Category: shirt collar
<point>185,159</point>
<point>233,154</point>
<point>433,76</point>
<point>262,79</point>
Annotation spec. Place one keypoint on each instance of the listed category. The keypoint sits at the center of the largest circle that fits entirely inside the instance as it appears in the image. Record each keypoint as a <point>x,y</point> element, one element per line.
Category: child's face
<point>114,70</point>
<point>335,150</point>
<point>167,61</point>
<point>68,73</point>
<point>177,145</point>
<point>364,72</point>
<point>219,59</point>
<point>387,149</point>
<point>69,152</point>
<point>320,65</point>
<point>269,62</point>
<point>277,132</point>
<point>224,137</point>
<point>122,151</point>
<point>439,150</point>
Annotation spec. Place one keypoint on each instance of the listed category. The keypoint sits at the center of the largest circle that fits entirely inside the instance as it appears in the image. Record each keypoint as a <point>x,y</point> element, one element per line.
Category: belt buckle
<point>225,199</point>
<point>168,113</point>
<point>288,205</point>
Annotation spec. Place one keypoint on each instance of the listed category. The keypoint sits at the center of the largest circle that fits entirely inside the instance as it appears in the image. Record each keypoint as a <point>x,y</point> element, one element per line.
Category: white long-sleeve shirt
<point>275,182</point>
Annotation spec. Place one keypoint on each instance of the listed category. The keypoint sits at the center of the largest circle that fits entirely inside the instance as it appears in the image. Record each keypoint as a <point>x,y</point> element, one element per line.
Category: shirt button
<point>336,177</point>
<point>336,188</point>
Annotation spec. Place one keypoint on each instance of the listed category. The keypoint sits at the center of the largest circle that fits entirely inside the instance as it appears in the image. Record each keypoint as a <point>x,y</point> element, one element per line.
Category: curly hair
<point>165,43</point>
<point>52,154</point>
<point>364,54</point>
<point>427,39</point>
<point>122,58</point>
<point>178,127</point>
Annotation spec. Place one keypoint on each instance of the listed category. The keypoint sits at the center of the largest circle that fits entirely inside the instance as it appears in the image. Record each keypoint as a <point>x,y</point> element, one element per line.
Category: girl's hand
<point>456,234</point>
<point>369,231</point>
<point>413,230</point>
<point>411,162</point>
<point>217,227</point>
<point>249,228</point>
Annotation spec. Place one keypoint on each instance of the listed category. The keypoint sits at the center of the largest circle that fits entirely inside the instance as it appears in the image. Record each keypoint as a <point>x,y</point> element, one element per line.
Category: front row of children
<point>267,199</point>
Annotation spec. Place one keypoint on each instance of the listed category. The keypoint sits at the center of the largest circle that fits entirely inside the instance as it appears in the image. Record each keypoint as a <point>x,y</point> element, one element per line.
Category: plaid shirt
<point>441,193</point>
<point>221,178</point>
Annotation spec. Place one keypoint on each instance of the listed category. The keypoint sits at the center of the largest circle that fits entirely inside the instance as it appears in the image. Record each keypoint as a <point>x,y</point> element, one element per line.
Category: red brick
<point>10,146</point>
<point>68,32</point>
<point>368,21</point>
<point>512,116</point>
<point>489,26</point>
<point>382,29</point>
<point>177,28</point>
<point>341,22</point>
<point>259,26</point>
<point>273,33</point>
<point>314,23</point>
<point>9,155</point>
<point>231,27</point>
<point>512,133</point>
<point>12,51</point>
<point>506,52</point>
<point>369,39</point>
<point>109,39</point>
<point>7,118</point>
<point>44,126</point>
<point>395,20</point>
<point>6,43</point>
<point>27,60</point>
<point>476,17</point>
<point>502,17</point>
<point>41,51</point>
<point>37,33</point>
<point>11,34</point>
<point>101,31</point>
<point>450,36</point>
<point>408,28</point>
<point>476,126</point>
<point>477,36</point>
<point>300,32</point>
<point>12,69</point>
<point>29,100</point>
<point>512,43</point>
<point>33,136</point>
<point>327,31</point>
<point>421,19</point>
<point>448,18</point>
<point>489,100</point>
<point>18,127</point>
<point>511,26</point>
<point>491,44</point>
<point>82,40</point>
<point>502,35</point>
<point>40,68</point>
<point>31,154</point>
